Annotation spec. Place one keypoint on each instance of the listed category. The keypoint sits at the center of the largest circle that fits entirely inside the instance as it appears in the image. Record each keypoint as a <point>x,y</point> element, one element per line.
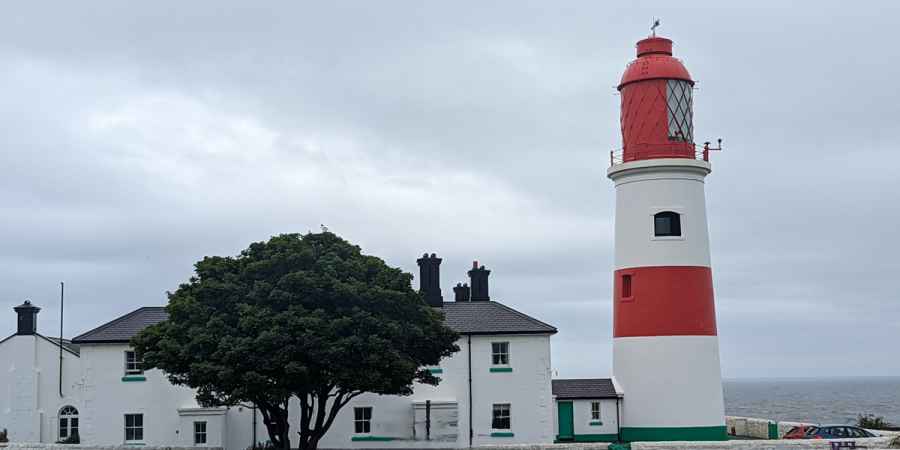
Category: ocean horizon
<point>834,400</point>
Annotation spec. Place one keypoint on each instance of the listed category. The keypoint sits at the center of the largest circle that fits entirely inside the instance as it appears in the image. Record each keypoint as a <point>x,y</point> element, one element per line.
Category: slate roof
<point>584,388</point>
<point>124,328</point>
<point>66,344</point>
<point>487,317</point>
<point>463,317</point>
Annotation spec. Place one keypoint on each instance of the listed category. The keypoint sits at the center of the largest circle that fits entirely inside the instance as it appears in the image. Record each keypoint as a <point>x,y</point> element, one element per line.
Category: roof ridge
<point>56,342</point>
<point>114,322</point>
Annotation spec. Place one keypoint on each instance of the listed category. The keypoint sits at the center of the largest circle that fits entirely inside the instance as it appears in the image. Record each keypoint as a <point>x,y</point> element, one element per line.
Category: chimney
<point>461,292</point>
<point>27,322</point>
<point>479,279</point>
<point>430,279</point>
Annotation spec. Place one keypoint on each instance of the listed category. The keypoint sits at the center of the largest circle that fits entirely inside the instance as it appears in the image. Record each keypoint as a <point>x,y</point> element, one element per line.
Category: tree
<point>300,316</point>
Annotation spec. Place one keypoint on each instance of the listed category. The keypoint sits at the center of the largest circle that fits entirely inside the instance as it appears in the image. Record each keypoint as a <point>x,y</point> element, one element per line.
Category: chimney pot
<point>430,279</point>
<point>461,292</point>
<point>27,318</point>
<point>479,278</point>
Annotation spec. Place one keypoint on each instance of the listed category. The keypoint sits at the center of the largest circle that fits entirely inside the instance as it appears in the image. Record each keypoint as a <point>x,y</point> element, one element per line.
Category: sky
<point>139,137</point>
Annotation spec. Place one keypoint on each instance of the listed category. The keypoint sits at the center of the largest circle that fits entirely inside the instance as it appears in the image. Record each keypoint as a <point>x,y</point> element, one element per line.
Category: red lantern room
<point>657,105</point>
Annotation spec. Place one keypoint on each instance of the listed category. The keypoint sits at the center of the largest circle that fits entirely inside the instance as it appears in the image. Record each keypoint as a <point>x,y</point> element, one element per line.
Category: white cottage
<point>495,390</point>
<point>587,410</point>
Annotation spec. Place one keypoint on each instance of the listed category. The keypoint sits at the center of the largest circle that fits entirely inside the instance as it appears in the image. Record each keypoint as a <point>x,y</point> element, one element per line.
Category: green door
<point>566,421</point>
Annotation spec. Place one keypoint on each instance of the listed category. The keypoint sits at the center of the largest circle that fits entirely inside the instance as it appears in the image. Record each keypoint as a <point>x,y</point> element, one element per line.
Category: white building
<point>495,390</point>
<point>588,410</point>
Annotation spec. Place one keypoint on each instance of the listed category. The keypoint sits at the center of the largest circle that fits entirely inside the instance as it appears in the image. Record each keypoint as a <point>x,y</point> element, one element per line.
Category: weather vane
<point>653,27</point>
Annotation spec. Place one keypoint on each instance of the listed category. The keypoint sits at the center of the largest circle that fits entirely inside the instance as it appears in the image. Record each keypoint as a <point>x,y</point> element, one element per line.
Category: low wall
<point>39,446</point>
<point>780,444</point>
<point>759,428</point>
<point>770,429</point>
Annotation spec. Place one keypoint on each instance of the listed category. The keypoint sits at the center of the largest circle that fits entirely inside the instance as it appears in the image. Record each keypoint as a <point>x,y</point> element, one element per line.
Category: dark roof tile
<point>462,317</point>
<point>486,317</point>
<point>124,328</point>
<point>584,388</point>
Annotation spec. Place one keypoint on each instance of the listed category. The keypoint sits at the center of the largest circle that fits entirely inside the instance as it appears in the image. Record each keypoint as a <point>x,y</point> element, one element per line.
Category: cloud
<point>140,138</point>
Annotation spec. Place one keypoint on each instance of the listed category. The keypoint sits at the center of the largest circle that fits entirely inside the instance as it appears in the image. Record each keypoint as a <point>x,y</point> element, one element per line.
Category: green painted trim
<point>502,434</point>
<point>373,438</point>
<point>501,369</point>
<point>715,433</point>
<point>596,423</point>
<point>128,378</point>
<point>436,370</point>
<point>589,438</point>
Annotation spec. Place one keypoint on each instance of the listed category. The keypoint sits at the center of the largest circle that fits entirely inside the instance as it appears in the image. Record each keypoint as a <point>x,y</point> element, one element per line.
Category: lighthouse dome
<point>657,104</point>
<point>654,61</point>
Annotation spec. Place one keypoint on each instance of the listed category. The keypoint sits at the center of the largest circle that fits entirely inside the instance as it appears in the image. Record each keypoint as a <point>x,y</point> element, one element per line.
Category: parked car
<point>827,432</point>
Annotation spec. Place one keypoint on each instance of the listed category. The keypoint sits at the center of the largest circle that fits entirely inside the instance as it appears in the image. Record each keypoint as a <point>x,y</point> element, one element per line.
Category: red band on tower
<point>664,301</point>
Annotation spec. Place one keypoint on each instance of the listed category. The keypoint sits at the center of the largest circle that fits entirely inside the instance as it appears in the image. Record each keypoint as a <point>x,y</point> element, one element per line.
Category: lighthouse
<point>665,343</point>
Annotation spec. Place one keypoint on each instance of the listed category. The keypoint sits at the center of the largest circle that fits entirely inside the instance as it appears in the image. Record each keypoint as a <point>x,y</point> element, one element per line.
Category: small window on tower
<point>626,286</point>
<point>667,223</point>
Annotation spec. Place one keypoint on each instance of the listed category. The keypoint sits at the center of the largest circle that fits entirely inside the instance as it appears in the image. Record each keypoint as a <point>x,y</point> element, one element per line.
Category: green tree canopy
<point>305,316</point>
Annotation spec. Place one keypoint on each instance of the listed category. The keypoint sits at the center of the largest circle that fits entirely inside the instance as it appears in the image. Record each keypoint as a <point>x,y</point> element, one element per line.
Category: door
<point>566,421</point>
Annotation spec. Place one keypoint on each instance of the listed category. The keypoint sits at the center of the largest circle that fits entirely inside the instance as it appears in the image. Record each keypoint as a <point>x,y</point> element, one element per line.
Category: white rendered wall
<point>682,370</point>
<point>641,194</point>
<point>106,400</point>
<point>29,379</point>
<point>582,417</point>
<point>526,389</point>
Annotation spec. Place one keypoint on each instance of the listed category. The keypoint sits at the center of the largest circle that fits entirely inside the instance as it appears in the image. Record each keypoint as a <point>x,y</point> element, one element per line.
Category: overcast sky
<point>138,137</point>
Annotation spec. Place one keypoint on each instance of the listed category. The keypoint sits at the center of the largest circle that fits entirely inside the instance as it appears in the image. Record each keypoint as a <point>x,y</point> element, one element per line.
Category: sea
<point>816,400</point>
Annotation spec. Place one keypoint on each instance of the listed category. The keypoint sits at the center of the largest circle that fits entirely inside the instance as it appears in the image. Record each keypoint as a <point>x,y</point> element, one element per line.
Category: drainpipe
<point>470,388</point>
<point>618,423</point>
<point>62,296</point>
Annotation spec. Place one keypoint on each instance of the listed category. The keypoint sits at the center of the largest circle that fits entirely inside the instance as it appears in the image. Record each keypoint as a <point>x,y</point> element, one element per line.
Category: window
<point>362,419</point>
<point>199,433</point>
<point>500,417</point>
<point>134,427</point>
<point>680,110</point>
<point>133,364</point>
<point>626,286</point>
<point>595,410</point>
<point>667,223</point>
<point>68,423</point>
<point>500,353</point>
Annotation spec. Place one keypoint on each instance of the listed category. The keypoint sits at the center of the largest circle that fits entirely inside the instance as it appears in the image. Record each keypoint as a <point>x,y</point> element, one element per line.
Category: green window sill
<point>596,423</point>
<point>373,438</point>
<point>501,369</point>
<point>436,370</point>
<point>129,378</point>
<point>502,434</point>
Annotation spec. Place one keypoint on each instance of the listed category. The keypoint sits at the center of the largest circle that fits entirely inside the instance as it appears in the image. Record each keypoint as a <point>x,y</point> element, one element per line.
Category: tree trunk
<point>276,421</point>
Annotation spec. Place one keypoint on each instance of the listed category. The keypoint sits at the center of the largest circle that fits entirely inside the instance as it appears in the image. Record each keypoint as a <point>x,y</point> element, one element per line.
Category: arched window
<point>667,223</point>
<point>68,423</point>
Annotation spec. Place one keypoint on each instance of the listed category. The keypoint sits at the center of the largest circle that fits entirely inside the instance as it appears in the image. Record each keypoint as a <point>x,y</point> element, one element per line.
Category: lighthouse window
<point>679,103</point>
<point>626,286</point>
<point>667,223</point>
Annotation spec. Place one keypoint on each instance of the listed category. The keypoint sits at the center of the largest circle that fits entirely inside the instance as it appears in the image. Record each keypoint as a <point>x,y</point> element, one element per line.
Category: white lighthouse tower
<point>665,346</point>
